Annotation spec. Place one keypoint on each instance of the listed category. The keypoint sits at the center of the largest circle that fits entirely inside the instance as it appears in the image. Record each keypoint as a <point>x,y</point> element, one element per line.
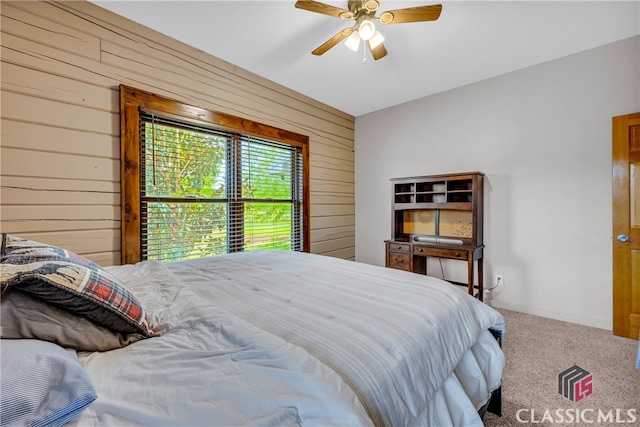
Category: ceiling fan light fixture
<point>363,12</point>
<point>353,42</point>
<point>366,29</point>
<point>376,40</point>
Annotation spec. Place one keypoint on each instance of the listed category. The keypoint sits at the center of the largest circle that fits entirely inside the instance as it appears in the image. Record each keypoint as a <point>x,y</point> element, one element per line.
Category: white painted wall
<point>542,136</point>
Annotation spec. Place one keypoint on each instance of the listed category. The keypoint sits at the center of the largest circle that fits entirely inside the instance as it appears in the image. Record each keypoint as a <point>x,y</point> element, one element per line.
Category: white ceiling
<point>472,41</point>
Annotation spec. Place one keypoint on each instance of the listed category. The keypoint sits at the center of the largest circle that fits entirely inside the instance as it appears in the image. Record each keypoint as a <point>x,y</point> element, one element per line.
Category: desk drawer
<point>398,260</point>
<point>441,252</point>
<point>399,247</point>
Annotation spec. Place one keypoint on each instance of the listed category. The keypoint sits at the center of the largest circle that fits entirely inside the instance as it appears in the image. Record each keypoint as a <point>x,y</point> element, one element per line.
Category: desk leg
<point>480,280</point>
<point>470,275</point>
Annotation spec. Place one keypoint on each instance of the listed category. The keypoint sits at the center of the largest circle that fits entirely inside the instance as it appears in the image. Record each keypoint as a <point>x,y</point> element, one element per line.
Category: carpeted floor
<point>538,349</point>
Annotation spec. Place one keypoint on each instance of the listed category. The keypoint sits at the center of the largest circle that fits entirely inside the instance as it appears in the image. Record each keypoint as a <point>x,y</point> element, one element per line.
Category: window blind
<point>208,192</point>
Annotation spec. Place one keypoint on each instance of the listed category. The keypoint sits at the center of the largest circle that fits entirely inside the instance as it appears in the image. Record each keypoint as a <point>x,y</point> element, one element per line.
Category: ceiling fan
<point>364,13</point>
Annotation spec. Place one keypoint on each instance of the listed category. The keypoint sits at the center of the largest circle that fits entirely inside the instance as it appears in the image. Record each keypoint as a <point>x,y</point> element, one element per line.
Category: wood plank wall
<point>61,64</point>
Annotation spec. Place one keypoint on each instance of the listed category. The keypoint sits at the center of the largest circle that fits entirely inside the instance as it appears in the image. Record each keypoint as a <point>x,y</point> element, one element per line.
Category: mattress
<point>287,338</point>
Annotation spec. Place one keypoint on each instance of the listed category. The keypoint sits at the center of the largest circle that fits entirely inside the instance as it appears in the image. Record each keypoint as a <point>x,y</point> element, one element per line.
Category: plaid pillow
<point>71,282</point>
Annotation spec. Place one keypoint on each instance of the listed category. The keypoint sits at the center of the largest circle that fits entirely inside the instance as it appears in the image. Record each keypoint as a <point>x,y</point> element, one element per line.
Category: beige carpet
<point>538,349</point>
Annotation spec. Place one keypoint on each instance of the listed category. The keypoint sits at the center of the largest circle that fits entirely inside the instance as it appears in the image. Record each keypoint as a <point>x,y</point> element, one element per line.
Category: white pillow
<point>41,384</point>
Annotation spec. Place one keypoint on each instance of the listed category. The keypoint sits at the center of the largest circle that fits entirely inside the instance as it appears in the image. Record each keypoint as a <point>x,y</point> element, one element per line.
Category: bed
<point>257,338</point>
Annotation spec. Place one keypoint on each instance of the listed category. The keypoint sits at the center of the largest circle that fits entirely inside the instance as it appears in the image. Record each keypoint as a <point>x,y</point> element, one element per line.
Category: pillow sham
<point>71,282</point>
<point>41,384</point>
<point>25,316</point>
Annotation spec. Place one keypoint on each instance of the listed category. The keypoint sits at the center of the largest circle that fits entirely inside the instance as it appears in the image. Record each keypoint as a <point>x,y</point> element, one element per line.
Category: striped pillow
<point>71,282</point>
<point>42,384</point>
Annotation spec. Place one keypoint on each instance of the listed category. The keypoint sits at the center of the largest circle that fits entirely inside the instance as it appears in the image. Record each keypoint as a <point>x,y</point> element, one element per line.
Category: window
<point>197,183</point>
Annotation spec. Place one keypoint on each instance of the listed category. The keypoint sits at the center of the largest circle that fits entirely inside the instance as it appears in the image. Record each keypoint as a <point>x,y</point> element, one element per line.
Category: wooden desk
<point>413,257</point>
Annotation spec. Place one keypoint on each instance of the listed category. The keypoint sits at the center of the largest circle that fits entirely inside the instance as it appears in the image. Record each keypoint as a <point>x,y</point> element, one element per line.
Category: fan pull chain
<point>364,52</point>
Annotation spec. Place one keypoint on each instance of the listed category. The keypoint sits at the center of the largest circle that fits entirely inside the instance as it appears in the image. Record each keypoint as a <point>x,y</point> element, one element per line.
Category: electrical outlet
<point>499,280</point>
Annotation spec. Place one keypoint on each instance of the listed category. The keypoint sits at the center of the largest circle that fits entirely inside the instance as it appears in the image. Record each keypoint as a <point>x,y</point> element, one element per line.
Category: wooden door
<point>626,225</point>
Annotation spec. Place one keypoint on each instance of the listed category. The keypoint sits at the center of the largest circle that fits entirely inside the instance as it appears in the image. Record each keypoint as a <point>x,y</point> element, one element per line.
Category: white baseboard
<point>565,317</point>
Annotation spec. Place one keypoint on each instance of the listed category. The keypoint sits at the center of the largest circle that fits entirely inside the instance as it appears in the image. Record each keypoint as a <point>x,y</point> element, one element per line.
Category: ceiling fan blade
<point>411,14</point>
<point>325,9</point>
<point>377,52</point>
<point>333,41</point>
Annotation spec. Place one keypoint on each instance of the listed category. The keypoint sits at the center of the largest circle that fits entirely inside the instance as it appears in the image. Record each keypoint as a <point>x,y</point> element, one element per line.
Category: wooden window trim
<point>132,102</point>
